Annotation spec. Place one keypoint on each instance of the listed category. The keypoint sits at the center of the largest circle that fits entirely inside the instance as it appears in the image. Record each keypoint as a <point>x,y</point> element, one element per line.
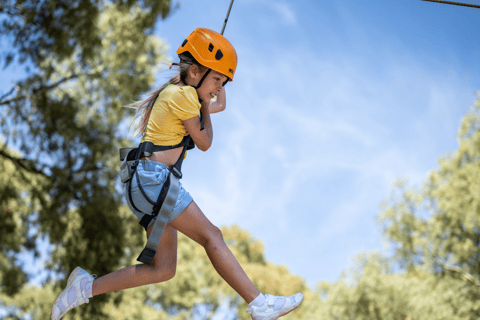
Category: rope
<point>456,3</point>
<point>228,13</point>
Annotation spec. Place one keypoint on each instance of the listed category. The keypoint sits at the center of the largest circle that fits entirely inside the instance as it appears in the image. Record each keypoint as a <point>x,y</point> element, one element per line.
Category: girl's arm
<point>203,139</point>
<point>219,104</point>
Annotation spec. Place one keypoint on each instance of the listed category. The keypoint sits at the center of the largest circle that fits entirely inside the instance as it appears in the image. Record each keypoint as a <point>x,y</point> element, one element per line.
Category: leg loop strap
<point>148,253</point>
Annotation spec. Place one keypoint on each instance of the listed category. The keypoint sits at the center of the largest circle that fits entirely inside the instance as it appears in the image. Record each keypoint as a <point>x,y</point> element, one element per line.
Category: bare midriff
<point>167,157</point>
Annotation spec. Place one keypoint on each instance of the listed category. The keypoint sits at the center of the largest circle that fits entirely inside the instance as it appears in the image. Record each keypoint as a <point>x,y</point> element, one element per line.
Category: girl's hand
<point>220,103</point>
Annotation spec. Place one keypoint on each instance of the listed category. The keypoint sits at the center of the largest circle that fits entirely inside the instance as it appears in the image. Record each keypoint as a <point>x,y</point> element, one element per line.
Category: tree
<point>61,130</point>
<point>61,27</point>
<point>372,291</point>
<point>435,232</point>
<point>14,213</point>
<point>438,227</point>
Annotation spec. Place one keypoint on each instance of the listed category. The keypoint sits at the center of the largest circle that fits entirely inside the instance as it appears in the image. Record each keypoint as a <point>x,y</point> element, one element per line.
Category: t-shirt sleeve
<point>184,103</point>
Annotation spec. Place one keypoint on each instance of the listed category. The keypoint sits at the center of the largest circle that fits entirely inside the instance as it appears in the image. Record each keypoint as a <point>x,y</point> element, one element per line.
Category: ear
<point>194,71</point>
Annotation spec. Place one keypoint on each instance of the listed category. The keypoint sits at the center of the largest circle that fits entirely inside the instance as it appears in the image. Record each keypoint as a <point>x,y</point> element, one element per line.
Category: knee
<point>165,275</point>
<point>170,274</point>
<point>213,235</point>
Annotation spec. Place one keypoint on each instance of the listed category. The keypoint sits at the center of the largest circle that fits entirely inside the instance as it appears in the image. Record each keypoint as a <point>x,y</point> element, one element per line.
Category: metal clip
<point>175,172</point>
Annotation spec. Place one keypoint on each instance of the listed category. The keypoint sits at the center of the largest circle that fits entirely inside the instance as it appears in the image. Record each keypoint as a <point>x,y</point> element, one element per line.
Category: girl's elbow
<point>202,147</point>
<point>205,146</point>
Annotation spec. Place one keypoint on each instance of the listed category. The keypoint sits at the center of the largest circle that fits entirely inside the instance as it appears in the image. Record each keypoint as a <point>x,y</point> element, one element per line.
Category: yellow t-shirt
<point>173,105</point>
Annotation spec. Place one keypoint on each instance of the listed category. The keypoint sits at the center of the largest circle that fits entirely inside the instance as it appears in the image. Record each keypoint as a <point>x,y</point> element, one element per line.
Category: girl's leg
<point>163,268</point>
<point>193,223</point>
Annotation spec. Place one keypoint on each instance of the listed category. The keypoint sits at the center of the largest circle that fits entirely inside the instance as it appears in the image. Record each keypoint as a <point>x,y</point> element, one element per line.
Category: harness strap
<point>202,125</point>
<point>148,253</point>
<point>145,221</point>
<point>130,195</point>
<point>125,152</point>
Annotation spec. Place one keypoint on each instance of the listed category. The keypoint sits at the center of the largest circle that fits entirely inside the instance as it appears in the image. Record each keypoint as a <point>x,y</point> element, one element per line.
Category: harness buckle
<point>146,256</point>
<point>126,171</point>
<point>145,149</point>
<point>175,172</point>
<point>124,152</point>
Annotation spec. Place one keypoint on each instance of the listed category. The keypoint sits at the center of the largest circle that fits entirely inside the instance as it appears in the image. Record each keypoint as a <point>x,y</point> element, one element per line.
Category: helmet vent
<point>219,54</point>
<point>184,42</point>
<point>210,47</point>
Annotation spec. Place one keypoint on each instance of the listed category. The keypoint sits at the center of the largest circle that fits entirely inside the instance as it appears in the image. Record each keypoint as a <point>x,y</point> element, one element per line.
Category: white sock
<point>258,301</point>
<point>88,289</point>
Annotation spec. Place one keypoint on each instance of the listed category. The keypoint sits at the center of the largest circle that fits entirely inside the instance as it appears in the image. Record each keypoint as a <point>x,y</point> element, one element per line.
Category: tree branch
<point>465,275</point>
<point>41,88</point>
<point>26,164</point>
<point>7,94</point>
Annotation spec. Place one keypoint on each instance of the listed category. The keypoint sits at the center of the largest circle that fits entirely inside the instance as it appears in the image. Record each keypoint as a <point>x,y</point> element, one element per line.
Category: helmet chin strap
<point>201,81</point>
<point>202,126</point>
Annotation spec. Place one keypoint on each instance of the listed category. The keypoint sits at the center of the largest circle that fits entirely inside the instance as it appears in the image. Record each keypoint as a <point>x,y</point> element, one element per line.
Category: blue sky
<point>331,102</point>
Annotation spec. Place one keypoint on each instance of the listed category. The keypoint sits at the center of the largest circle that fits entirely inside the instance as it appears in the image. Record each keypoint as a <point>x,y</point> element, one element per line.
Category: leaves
<point>437,228</point>
<point>41,27</point>
<point>61,133</point>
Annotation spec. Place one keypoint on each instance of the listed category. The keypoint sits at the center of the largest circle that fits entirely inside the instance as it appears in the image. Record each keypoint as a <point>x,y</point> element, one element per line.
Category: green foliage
<point>437,229</point>
<point>61,27</point>
<point>372,291</point>
<point>449,234</point>
<point>64,120</point>
<point>14,214</point>
<point>435,232</point>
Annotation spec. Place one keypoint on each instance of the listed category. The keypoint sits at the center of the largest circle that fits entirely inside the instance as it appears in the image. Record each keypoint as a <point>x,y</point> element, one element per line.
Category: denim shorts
<point>152,176</point>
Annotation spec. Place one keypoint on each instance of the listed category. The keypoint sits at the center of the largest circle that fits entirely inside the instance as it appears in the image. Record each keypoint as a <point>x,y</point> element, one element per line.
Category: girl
<point>207,62</point>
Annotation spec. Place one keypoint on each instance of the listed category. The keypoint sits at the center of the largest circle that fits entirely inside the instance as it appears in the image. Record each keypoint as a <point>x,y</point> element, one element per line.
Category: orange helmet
<point>211,50</point>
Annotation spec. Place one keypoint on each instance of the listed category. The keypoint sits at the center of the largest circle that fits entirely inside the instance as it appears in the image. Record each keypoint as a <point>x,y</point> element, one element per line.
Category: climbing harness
<point>167,197</point>
<point>215,52</point>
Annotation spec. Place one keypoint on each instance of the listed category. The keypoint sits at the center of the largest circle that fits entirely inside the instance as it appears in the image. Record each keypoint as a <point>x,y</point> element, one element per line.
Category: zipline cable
<point>228,13</point>
<point>456,3</point>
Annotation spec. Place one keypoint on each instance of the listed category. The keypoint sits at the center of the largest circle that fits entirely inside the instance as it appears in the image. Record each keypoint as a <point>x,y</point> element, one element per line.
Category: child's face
<point>211,86</point>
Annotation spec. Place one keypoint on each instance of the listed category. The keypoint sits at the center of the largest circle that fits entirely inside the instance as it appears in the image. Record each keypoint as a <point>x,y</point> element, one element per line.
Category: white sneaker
<point>275,307</point>
<point>75,293</point>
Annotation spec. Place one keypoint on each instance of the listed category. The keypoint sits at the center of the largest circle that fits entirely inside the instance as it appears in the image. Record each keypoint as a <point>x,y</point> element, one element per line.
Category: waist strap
<point>150,148</point>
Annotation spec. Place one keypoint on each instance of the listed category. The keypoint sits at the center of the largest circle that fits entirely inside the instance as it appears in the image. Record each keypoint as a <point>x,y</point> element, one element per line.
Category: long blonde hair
<point>144,107</point>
